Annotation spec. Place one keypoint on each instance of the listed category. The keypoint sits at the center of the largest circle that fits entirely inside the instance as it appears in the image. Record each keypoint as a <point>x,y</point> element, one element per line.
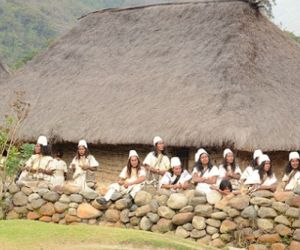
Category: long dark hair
<point>200,167</point>
<point>289,168</point>
<point>253,163</point>
<point>129,167</point>
<point>232,165</point>
<point>164,152</point>
<point>45,150</point>
<point>261,170</point>
<point>225,184</point>
<point>86,153</point>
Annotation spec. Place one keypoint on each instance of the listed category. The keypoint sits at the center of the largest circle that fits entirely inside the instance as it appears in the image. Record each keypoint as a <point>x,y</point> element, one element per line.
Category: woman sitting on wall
<point>291,179</point>
<point>263,178</point>
<point>157,162</point>
<point>176,179</point>
<point>204,173</point>
<point>39,167</point>
<point>130,181</point>
<point>229,170</point>
<point>81,163</point>
<point>253,165</point>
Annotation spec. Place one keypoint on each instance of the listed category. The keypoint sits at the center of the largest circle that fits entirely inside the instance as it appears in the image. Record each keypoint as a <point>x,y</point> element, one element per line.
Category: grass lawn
<point>25,234</point>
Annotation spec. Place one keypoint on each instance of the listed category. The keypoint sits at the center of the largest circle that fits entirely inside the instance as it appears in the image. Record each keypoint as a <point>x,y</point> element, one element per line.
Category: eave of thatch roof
<point>198,74</point>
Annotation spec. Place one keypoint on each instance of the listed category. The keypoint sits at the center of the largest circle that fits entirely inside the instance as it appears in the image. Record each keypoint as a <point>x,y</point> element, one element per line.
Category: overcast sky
<point>287,15</point>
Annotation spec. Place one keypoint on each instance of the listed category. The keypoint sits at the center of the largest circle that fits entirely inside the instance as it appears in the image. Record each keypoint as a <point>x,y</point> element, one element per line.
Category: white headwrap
<point>294,155</point>
<point>156,139</point>
<point>257,153</point>
<point>199,153</point>
<point>42,140</point>
<point>82,143</point>
<point>263,158</point>
<point>226,151</point>
<point>133,153</point>
<point>175,162</point>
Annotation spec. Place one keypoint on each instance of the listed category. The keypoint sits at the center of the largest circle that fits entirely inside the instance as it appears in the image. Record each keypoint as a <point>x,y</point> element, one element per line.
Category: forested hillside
<point>27,26</point>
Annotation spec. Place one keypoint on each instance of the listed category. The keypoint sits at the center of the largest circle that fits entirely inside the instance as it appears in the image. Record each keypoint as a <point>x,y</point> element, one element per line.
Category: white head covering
<point>42,140</point>
<point>294,155</point>
<point>199,153</point>
<point>257,153</point>
<point>156,139</point>
<point>133,153</point>
<point>82,143</point>
<point>226,151</point>
<point>263,158</point>
<point>175,162</point>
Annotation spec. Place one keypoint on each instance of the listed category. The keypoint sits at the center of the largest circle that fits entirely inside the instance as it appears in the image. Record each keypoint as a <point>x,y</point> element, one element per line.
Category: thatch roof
<point>197,74</point>
<point>4,72</point>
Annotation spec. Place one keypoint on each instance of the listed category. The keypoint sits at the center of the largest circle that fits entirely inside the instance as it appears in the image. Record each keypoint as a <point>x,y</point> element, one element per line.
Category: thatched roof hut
<point>204,74</point>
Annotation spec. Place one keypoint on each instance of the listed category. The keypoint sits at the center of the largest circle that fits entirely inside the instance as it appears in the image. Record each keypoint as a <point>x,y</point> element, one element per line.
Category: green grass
<point>23,234</point>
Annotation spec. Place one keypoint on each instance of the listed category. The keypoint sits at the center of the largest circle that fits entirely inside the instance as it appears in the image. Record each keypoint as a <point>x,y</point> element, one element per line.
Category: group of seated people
<point>42,167</point>
<point>161,172</point>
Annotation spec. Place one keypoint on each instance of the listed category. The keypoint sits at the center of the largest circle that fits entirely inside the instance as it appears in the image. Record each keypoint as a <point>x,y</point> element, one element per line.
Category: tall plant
<point>9,143</point>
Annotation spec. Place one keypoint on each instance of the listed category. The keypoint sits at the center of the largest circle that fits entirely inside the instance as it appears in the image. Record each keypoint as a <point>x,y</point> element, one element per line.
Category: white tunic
<point>222,173</point>
<point>247,172</point>
<point>58,177</point>
<point>169,179</point>
<point>205,187</point>
<point>152,161</point>
<point>255,179</point>
<point>295,180</point>
<point>134,175</point>
<point>36,162</point>
<point>161,162</point>
<point>79,175</point>
<point>132,189</point>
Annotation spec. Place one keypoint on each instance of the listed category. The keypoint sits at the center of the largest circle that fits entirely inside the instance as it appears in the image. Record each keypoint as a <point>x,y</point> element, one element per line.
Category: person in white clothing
<point>204,173</point>
<point>60,170</point>
<point>291,178</point>
<point>229,170</point>
<point>39,166</point>
<point>130,181</point>
<point>263,178</point>
<point>157,162</point>
<point>82,163</point>
<point>176,179</point>
<point>253,165</point>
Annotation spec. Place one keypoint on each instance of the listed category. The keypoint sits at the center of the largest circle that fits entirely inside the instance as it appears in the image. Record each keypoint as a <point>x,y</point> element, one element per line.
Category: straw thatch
<point>4,72</point>
<point>195,73</point>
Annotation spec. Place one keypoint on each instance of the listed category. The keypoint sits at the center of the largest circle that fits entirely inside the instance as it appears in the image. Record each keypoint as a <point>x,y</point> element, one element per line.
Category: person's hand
<point>126,185</point>
<point>85,167</point>
<point>197,178</point>
<point>40,170</point>
<point>227,176</point>
<point>153,170</point>
<point>273,188</point>
<point>51,172</point>
<point>178,186</point>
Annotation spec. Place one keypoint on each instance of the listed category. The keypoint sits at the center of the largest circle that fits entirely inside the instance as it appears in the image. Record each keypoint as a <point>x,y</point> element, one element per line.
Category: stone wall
<point>258,221</point>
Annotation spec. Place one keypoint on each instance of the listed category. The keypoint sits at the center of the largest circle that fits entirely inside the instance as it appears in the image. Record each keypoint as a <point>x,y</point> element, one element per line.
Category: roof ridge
<point>159,4</point>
